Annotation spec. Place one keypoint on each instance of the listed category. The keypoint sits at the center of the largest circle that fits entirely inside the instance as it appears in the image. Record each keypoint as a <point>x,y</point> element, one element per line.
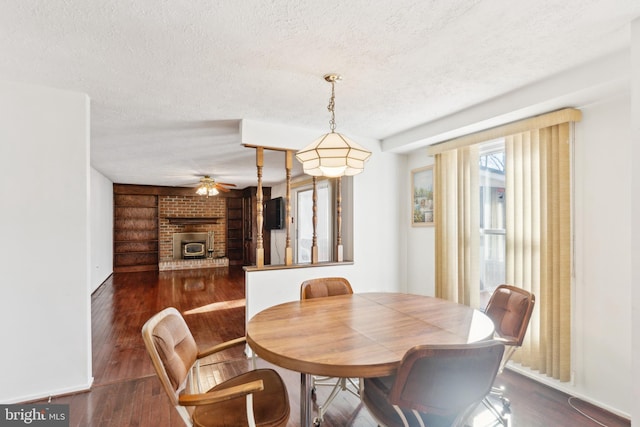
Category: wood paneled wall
<point>135,232</point>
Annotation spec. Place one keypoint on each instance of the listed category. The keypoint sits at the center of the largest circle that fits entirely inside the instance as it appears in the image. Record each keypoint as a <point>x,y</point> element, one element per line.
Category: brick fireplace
<point>175,213</point>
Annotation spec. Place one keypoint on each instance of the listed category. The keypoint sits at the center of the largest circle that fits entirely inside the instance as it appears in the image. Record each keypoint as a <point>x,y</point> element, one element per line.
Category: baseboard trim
<point>52,393</point>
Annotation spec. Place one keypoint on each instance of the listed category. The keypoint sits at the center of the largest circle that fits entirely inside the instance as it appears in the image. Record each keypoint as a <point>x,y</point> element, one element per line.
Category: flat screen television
<point>274,214</point>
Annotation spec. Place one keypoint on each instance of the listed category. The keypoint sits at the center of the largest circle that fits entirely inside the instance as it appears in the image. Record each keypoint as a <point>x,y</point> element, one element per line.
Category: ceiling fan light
<point>208,187</point>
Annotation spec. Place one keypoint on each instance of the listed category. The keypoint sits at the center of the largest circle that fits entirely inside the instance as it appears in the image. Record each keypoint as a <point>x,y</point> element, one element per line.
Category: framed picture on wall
<point>422,202</point>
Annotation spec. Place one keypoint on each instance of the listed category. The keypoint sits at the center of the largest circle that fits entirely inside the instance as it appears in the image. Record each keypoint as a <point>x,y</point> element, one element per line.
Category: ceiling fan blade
<point>225,183</point>
<point>226,190</point>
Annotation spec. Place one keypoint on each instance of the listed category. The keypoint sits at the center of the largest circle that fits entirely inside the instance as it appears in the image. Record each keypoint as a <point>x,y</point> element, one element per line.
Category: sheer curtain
<point>538,235</point>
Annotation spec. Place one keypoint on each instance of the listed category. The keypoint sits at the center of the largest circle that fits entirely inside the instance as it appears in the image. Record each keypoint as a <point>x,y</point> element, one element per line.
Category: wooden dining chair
<point>321,288</point>
<point>255,398</point>
<point>510,309</point>
<point>435,386</point>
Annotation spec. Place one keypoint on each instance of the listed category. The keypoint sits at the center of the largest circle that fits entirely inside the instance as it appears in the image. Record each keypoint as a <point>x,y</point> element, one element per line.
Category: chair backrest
<point>172,349</point>
<point>446,380</point>
<point>510,309</point>
<point>325,287</point>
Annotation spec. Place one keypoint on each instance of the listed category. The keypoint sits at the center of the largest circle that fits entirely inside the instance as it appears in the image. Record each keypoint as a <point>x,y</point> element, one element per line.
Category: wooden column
<point>259,208</point>
<point>288,251</point>
<point>314,244</point>
<point>339,248</point>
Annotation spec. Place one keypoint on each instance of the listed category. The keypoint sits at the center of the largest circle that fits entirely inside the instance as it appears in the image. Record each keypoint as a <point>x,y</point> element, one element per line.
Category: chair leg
<point>343,384</point>
<point>501,415</point>
<point>499,393</point>
<point>322,409</point>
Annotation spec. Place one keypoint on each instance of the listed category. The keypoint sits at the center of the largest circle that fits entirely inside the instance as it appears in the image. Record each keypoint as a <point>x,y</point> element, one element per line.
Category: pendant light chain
<point>331,107</point>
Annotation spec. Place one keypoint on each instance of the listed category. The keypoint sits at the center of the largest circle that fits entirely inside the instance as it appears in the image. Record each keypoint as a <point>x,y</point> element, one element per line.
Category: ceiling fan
<point>210,187</point>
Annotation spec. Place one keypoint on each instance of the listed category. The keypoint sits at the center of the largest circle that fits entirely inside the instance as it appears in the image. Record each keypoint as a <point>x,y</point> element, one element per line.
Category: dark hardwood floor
<point>126,392</point>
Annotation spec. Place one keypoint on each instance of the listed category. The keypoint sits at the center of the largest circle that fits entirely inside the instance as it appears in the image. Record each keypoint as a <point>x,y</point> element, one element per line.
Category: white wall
<point>380,210</point>
<point>602,314</point>
<point>420,240</point>
<point>44,224</point>
<point>101,207</point>
<point>635,213</point>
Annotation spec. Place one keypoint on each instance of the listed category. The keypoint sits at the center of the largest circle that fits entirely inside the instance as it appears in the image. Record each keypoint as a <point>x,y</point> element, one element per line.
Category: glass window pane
<point>324,225</point>
<point>492,221</point>
<point>304,221</point>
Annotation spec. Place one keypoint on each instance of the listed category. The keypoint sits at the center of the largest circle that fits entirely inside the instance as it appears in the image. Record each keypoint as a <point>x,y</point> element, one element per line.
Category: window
<point>492,218</point>
<point>536,214</point>
<point>303,221</point>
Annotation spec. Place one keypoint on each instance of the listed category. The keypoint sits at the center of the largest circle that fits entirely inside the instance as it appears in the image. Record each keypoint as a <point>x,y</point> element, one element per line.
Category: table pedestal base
<point>305,400</point>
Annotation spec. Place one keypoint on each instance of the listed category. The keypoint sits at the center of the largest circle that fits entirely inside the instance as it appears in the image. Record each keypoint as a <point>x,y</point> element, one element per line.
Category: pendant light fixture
<point>333,154</point>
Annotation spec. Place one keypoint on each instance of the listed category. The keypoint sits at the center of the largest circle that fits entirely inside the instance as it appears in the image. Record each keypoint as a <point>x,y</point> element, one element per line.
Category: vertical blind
<point>458,226</point>
<point>539,241</point>
<point>538,234</point>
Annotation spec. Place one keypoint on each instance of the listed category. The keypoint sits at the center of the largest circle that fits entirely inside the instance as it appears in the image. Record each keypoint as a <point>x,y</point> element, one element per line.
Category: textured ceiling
<point>169,80</point>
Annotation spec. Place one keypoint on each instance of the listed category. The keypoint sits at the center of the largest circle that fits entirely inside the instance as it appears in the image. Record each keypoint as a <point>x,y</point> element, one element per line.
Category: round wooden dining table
<point>358,336</point>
